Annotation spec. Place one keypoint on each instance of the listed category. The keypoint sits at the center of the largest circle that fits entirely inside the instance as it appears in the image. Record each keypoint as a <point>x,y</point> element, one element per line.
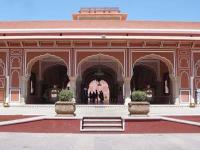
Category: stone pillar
<point>192,101</point>
<point>7,90</point>
<point>120,99</point>
<point>127,89</point>
<point>72,80</point>
<point>175,88</point>
<point>78,89</point>
<point>24,88</point>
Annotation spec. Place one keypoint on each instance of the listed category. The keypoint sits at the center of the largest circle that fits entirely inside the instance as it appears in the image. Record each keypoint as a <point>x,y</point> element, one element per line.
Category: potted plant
<point>138,104</point>
<point>65,103</point>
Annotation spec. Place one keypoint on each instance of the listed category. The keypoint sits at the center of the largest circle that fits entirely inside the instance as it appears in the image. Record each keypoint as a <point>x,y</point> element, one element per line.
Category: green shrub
<point>138,96</point>
<point>65,95</point>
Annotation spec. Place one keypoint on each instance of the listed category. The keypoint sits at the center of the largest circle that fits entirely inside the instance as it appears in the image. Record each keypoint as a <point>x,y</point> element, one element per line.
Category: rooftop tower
<point>103,13</point>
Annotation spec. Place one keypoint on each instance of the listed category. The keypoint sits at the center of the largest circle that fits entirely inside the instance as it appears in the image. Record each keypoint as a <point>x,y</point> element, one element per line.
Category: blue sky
<point>164,10</point>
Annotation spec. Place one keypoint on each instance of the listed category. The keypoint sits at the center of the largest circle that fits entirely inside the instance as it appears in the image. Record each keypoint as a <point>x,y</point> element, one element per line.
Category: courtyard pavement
<point>38,141</point>
<point>98,110</point>
<point>52,141</point>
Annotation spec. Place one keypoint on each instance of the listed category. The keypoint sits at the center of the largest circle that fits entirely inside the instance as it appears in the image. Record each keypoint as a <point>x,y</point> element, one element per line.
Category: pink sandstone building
<point>99,46</point>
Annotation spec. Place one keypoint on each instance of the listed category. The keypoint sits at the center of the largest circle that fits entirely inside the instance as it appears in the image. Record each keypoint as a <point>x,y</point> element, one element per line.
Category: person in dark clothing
<point>90,96</point>
<point>93,97</point>
<point>101,97</point>
<point>96,96</point>
<point>85,93</point>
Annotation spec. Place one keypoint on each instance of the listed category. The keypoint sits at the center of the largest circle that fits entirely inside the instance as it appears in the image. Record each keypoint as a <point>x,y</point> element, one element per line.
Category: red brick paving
<point>44,126</point>
<point>158,126</point>
<point>73,126</point>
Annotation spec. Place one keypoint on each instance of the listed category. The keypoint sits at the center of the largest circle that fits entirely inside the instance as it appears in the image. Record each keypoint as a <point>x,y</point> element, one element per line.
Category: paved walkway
<point>35,141</point>
<point>98,110</point>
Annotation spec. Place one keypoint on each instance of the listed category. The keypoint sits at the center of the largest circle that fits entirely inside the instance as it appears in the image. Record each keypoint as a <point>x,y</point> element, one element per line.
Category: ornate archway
<point>156,71</point>
<point>30,63</point>
<point>45,73</point>
<point>112,72</point>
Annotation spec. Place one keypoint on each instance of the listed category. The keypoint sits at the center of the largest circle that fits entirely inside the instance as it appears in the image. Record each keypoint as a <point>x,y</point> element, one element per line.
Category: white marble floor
<point>39,141</point>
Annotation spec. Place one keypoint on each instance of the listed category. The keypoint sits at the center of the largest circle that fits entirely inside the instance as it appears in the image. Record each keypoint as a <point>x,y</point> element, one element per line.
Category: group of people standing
<point>94,97</point>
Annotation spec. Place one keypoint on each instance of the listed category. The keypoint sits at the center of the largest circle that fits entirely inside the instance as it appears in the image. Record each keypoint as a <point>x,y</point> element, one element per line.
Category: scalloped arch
<point>99,55</point>
<point>155,56</point>
<point>35,59</point>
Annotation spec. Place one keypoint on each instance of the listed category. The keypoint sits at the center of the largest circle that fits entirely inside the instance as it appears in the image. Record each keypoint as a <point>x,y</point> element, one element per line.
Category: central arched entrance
<point>91,74</point>
<point>46,74</point>
<point>99,81</point>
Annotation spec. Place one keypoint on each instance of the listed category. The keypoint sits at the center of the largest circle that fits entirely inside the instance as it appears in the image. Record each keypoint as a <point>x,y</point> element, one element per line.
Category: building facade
<point>99,46</point>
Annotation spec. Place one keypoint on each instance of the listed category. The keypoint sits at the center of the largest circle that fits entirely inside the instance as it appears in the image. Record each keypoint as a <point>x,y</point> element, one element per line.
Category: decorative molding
<point>2,68</point>
<point>188,77</point>
<point>181,61</point>
<point>181,95</point>
<point>11,78</point>
<point>2,82</point>
<point>17,52</point>
<point>18,90</point>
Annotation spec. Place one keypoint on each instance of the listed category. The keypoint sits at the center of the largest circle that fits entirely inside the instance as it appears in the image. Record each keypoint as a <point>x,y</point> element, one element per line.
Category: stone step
<point>103,130</point>
<point>102,124</point>
<point>102,120</point>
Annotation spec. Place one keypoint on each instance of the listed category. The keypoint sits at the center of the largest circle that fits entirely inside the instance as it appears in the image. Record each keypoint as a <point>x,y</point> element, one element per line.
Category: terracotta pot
<point>67,108</point>
<point>138,108</point>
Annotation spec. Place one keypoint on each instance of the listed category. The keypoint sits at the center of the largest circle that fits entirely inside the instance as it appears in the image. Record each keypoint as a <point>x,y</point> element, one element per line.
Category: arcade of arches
<point>100,80</point>
<point>96,78</point>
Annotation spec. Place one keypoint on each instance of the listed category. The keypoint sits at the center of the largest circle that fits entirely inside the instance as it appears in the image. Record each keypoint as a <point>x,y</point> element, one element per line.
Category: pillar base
<point>192,105</point>
<point>6,104</point>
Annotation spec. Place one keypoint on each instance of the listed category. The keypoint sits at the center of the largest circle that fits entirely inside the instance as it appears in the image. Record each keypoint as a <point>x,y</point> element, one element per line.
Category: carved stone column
<point>175,88</point>
<point>7,89</point>
<point>24,87</point>
<point>72,86</point>
<point>127,89</point>
<point>192,101</point>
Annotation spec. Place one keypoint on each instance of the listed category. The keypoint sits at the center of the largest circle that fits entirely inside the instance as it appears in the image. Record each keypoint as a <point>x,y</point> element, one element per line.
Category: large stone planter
<point>65,108</point>
<point>138,108</point>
